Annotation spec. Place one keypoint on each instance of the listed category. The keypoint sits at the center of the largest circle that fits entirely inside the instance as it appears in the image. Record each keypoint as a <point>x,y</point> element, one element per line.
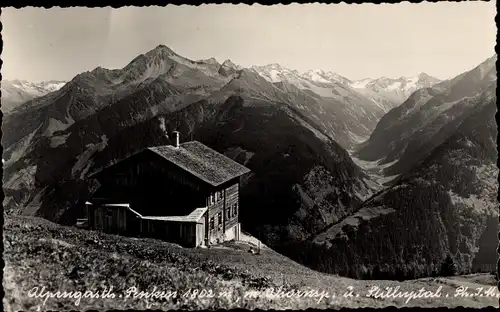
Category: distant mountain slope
<point>348,116</point>
<point>410,131</point>
<point>444,205</point>
<point>16,92</point>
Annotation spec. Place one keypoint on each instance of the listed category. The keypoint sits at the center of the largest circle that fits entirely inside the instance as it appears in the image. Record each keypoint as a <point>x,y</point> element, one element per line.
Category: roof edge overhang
<point>96,174</point>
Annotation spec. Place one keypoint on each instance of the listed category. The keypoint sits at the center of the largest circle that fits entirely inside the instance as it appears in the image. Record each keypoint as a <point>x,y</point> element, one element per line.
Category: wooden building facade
<point>184,193</point>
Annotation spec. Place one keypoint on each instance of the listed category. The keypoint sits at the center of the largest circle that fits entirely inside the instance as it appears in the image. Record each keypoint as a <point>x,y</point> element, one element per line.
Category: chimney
<point>176,137</point>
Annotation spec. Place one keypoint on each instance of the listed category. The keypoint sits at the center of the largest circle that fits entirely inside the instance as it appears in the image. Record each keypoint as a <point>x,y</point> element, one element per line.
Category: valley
<point>435,185</point>
<point>352,179</point>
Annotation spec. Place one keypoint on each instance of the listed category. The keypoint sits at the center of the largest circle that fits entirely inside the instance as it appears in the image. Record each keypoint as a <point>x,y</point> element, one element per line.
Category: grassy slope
<point>41,253</point>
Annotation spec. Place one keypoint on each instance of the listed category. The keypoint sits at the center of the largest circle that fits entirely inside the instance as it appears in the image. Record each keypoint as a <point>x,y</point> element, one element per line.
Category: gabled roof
<point>201,161</point>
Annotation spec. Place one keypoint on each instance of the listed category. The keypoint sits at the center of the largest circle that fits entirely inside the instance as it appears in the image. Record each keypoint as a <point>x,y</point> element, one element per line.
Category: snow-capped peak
<point>15,92</point>
<point>336,77</point>
<point>271,72</point>
<point>319,75</point>
<point>393,90</point>
<point>277,73</point>
<point>274,66</point>
<point>316,75</point>
<point>34,88</point>
<point>53,85</point>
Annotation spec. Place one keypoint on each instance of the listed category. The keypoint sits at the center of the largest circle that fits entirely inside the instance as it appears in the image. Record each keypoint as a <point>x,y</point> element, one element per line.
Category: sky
<point>357,41</point>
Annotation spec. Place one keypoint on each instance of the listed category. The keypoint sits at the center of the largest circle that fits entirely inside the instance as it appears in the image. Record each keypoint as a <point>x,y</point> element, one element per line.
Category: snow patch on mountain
<point>35,88</point>
<point>325,84</point>
<point>393,90</point>
<point>273,72</point>
<point>395,86</point>
<point>361,84</point>
<point>316,75</point>
<point>16,92</point>
<point>306,80</point>
<point>385,93</point>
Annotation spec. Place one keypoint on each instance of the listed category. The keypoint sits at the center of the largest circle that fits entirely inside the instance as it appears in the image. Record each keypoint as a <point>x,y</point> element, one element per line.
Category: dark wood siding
<point>232,206</point>
<point>226,208</point>
<point>111,219</point>
<point>182,233</point>
<point>152,186</point>
<point>215,229</point>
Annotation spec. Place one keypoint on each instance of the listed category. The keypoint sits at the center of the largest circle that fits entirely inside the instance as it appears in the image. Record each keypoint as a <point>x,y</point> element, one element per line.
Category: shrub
<point>448,267</point>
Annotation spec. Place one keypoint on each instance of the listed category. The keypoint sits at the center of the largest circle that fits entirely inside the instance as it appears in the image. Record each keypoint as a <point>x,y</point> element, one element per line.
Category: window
<point>211,199</point>
<point>228,213</point>
<point>219,218</point>
<point>235,209</point>
<point>212,225</point>
<point>218,196</point>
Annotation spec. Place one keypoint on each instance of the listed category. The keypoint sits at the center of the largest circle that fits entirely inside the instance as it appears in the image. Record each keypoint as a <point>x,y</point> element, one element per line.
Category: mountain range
<point>387,93</point>
<point>293,130</point>
<point>16,92</point>
<point>352,107</point>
